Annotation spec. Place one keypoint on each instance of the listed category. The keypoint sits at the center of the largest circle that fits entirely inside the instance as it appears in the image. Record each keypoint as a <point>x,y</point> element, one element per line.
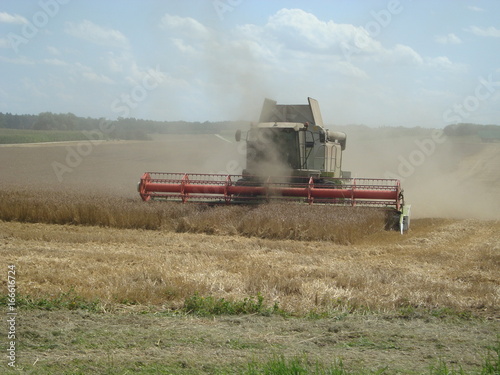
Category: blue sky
<point>397,63</point>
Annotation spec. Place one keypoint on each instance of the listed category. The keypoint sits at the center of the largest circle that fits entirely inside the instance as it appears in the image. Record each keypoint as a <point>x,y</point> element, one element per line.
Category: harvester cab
<point>290,140</point>
<point>290,157</point>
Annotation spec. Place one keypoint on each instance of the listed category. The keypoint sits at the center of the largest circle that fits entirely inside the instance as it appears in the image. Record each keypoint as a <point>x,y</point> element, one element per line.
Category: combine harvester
<point>290,157</point>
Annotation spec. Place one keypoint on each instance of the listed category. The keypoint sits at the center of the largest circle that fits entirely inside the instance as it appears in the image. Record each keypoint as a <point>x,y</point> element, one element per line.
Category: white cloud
<point>119,62</point>
<point>297,30</point>
<point>53,51</point>
<point>485,31</point>
<point>4,43</point>
<point>475,9</point>
<point>55,62</point>
<point>404,55</point>
<point>100,78</point>
<point>292,52</point>
<point>300,30</point>
<point>447,39</point>
<point>123,68</point>
<point>444,63</point>
<point>96,34</point>
<point>293,49</point>
<point>79,70</point>
<point>288,35</point>
<point>191,38</point>
<point>189,26</point>
<point>15,19</point>
<point>185,48</point>
<point>436,94</point>
<point>35,88</point>
<point>349,70</point>
<point>17,61</point>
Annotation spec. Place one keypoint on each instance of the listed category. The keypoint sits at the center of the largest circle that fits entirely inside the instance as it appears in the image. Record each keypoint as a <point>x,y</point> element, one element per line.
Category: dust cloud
<point>455,179</point>
<point>459,179</point>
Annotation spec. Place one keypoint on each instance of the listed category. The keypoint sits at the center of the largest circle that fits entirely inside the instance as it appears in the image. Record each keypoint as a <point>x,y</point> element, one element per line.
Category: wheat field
<point>125,253</point>
<point>343,225</point>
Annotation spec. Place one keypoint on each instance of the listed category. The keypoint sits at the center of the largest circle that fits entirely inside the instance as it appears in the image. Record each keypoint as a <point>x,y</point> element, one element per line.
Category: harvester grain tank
<point>292,157</point>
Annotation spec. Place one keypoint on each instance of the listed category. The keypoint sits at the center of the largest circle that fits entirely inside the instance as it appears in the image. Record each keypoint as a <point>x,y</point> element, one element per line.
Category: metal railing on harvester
<point>226,189</point>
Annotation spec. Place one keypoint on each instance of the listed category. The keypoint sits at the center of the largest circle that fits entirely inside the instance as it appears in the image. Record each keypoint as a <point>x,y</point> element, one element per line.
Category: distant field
<point>13,136</point>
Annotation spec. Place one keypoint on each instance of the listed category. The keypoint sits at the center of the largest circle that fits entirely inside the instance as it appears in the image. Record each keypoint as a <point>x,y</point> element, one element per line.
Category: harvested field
<point>442,264</point>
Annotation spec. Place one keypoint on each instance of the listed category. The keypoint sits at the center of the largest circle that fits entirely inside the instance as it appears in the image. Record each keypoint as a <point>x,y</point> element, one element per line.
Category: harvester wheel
<point>392,218</point>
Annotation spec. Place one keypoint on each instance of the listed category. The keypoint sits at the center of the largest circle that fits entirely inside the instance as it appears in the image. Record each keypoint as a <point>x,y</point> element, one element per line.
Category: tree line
<point>137,127</point>
<point>132,128</point>
<point>467,129</point>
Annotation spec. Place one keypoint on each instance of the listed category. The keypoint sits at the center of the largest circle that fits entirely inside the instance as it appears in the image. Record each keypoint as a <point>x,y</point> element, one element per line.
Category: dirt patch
<point>113,167</point>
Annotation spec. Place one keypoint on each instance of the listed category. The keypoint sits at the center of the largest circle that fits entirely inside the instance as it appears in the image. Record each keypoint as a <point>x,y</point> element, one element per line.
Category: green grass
<point>276,365</point>
<point>196,304</point>
<point>363,342</point>
<point>69,300</point>
<point>295,366</point>
<point>13,136</point>
<point>491,364</point>
<point>301,365</point>
<point>411,312</point>
<point>204,306</point>
<point>209,306</point>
